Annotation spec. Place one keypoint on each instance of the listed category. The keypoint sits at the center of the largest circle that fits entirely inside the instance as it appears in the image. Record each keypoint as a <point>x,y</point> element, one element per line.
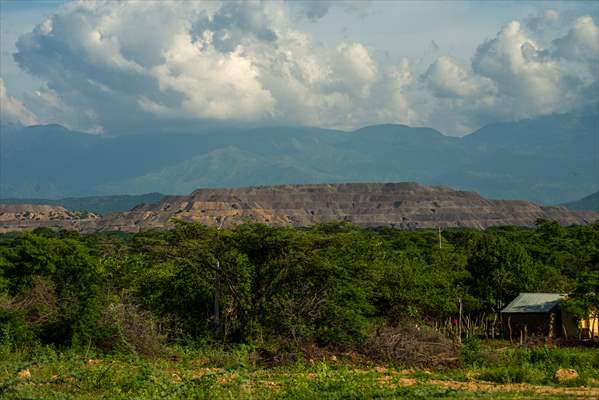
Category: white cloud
<point>449,79</point>
<point>581,42</point>
<point>230,61</point>
<point>246,62</point>
<point>50,108</point>
<point>214,85</point>
<point>13,111</point>
<point>356,67</point>
<point>400,83</point>
<point>512,77</point>
<point>530,82</point>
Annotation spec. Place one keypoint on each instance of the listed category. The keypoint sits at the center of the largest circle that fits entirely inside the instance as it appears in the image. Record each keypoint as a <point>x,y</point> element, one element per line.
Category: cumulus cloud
<point>213,84</point>
<point>246,62</point>
<point>581,42</point>
<point>239,61</point>
<point>97,56</point>
<point>512,77</point>
<point>13,111</point>
<point>401,89</point>
<point>530,80</point>
<point>526,78</point>
<point>356,66</point>
<point>449,79</point>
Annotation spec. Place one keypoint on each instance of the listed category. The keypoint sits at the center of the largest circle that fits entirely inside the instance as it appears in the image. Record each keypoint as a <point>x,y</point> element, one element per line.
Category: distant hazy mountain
<point>548,160</point>
<point>588,203</point>
<point>95,204</point>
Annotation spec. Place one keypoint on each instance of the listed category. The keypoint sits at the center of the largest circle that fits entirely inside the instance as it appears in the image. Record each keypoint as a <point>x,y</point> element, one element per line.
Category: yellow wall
<point>592,324</point>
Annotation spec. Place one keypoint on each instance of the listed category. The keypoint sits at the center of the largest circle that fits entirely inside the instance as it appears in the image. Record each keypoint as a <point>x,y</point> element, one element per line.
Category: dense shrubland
<point>278,290</point>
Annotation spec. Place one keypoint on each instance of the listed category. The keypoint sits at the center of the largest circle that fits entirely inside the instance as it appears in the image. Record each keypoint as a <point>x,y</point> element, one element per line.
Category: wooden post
<point>525,333</point>
<point>520,336</point>
<point>509,325</point>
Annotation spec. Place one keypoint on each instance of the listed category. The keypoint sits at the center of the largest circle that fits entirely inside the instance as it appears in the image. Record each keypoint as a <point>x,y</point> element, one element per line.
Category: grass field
<point>208,373</point>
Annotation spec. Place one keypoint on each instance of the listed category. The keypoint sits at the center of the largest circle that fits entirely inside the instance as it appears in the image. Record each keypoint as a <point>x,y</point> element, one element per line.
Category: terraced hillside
<point>16,217</point>
<point>401,205</point>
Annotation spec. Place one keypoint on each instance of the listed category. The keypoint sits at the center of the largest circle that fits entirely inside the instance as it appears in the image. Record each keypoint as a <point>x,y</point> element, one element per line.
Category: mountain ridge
<point>587,203</point>
<point>94,204</point>
<point>547,160</point>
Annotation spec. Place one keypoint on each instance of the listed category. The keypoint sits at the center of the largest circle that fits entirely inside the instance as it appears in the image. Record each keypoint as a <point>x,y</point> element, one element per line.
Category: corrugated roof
<point>534,303</point>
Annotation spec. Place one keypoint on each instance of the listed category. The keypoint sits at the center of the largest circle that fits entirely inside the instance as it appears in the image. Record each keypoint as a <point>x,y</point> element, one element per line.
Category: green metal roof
<point>534,303</point>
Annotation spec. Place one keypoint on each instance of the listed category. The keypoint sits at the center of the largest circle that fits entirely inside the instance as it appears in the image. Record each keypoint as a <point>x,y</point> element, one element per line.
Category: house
<point>540,314</point>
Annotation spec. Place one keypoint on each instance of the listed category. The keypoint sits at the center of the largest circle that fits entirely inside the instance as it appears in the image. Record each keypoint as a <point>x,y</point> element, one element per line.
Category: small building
<point>540,314</point>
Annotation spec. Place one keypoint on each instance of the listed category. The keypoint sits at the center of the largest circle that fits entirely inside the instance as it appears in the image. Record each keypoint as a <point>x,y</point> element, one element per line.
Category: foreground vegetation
<point>235,373</point>
<point>334,311</point>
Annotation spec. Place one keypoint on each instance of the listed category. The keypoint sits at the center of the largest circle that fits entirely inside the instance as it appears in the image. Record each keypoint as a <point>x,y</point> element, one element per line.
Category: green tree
<point>74,278</point>
<point>499,270</point>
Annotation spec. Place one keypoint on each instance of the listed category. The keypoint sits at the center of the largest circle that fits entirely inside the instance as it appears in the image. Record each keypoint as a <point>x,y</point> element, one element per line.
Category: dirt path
<point>390,377</point>
<point>476,386</point>
<point>479,386</point>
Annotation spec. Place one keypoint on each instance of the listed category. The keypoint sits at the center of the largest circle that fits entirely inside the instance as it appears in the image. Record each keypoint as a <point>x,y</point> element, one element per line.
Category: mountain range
<point>548,160</point>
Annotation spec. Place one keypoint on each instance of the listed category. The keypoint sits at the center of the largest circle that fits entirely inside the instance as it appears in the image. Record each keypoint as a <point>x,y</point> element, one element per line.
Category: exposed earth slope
<point>402,205</point>
<point>16,217</point>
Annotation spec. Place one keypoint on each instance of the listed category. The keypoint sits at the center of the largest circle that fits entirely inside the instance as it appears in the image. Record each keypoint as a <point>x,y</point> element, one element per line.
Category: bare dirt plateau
<point>16,217</point>
<point>401,205</point>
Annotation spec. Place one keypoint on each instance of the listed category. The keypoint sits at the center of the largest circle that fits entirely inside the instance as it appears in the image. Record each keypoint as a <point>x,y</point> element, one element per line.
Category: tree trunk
<point>217,296</point>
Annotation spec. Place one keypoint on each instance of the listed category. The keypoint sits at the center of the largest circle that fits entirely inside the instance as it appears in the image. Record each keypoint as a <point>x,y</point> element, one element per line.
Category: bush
<point>28,316</point>
<point>14,332</point>
<point>55,282</point>
<point>470,351</point>
<point>128,328</point>
<point>412,344</point>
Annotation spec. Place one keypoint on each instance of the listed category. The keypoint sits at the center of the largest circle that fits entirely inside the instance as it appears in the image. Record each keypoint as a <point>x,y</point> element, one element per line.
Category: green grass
<point>212,373</point>
<point>538,365</point>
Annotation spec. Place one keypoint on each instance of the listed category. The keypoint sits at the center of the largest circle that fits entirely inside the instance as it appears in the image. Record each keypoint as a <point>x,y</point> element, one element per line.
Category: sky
<point>112,68</point>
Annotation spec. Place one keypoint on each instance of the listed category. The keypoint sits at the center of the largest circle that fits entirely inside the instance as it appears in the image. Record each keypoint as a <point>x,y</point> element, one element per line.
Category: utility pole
<point>460,321</point>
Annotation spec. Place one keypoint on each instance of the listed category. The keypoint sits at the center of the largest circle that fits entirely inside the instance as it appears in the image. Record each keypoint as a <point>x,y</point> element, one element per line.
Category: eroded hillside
<point>401,205</point>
